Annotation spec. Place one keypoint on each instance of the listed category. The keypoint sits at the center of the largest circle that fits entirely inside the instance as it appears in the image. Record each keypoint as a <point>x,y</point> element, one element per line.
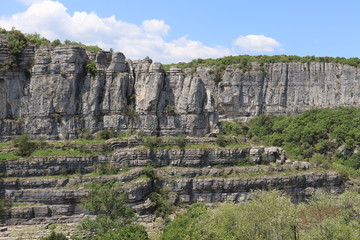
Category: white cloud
<point>256,43</point>
<point>29,2</point>
<point>155,26</point>
<point>52,21</point>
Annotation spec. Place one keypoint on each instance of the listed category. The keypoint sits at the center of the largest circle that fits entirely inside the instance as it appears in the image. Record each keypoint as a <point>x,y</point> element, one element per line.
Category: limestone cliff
<point>53,93</point>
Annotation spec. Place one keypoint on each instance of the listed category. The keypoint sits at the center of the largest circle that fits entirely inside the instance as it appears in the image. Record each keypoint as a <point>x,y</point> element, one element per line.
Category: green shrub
<point>160,202</point>
<point>93,48</point>
<point>171,110</point>
<point>86,134</point>
<point>152,142</point>
<point>106,134</point>
<point>16,43</point>
<point>36,39</point>
<point>107,201</point>
<point>353,161</point>
<point>181,142</point>
<point>236,128</point>
<point>106,168</point>
<point>128,232</point>
<point>313,135</point>
<point>221,140</point>
<point>55,236</point>
<point>5,205</point>
<point>25,145</point>
<point>56,42</point>
<point>91,67</point>
<point>271,215</point>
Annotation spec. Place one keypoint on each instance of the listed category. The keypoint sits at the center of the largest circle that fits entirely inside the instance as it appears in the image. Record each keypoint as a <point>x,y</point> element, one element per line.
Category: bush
<point>105,134</point>
<point>86,134</point>
<point>91,67</point>
<point>93,48</point>
<point>56,42</point>
<point>152,142</point>
<point>25,145</point>
<point>270,215</point>
<point>128,232</point>
<point>36,39</point>
<point>236,128</point>
<point>107,201</point>
<point>5,205</point>
<point>221,140</point>
<point>106,168</point>
<point>181,142</point>
<point>55,236</point>
<point>16,42</point>
<point>170,110</point>
<point>161,205</point>
<point>353,161</point>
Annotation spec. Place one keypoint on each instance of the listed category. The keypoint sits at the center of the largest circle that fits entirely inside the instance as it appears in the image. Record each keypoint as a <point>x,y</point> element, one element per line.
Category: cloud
<point>155,26</point>
<point>256,43</point>
<point>29,2</point>
<point>52,20</point>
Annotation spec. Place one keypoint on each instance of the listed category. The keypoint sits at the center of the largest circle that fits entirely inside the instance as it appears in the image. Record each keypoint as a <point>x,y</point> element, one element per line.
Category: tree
<point>107,201</point>
<point>128,232</point>
<point>25,145</point>
<point>55,236</point>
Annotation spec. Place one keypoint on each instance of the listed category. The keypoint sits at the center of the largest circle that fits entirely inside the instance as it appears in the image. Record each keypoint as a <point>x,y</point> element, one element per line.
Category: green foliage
<point>93,48</point>
<point>161,205</point>
<point>91,67</point>
<point>152,142</point>
<point>16,43</point>
<point>271,215</point>
<point>221,140</point>
<point>181,142</point>
<point>36,39</point>
<point>236,128</point>
<point>314,135</point>
<point>10,155</point>
<point>106,168</point>
<point>25,145</point>
<point>86,134</point>
<point>106,134</point>
<point>244,61</point>
<point>354,161</point>
<point>182,226</point>
<point>55,236</point>
<point>5,205</point>
<point>128,232</point>
<point>171,110</point>
<point>107,201</point>
<point>56,42</point>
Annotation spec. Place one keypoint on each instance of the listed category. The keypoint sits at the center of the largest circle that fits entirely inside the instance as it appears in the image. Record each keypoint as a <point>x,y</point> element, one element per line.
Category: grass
<point>94,140</point>
<point>6,156</point>
<point>199,146</point>
<point>5,145</point>
<point>60,152</point>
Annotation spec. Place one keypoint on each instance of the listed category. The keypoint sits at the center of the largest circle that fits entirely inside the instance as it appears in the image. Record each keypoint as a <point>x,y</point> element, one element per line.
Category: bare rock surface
<point>53,93</point>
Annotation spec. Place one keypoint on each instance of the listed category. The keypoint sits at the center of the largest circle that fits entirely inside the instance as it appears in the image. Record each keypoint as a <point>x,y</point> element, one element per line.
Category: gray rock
<point>52,94</point>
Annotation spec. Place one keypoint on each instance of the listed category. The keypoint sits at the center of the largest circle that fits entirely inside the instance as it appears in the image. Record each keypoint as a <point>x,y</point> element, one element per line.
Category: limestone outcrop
<point>54,93</point>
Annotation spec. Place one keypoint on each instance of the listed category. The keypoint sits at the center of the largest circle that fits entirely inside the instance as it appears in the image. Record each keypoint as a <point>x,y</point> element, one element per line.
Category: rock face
<point>53,93</point>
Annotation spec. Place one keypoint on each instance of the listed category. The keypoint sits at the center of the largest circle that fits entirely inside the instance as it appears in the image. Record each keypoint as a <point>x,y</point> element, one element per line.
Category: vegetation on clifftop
<point>244,61</point>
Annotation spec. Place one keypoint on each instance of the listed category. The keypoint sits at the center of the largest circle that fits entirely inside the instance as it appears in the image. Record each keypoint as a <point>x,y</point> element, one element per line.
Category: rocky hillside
<point>48,189</point>
<point>60,91</point>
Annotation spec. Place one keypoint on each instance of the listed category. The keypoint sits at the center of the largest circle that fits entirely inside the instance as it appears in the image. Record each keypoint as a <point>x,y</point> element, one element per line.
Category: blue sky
<point>172,31</point>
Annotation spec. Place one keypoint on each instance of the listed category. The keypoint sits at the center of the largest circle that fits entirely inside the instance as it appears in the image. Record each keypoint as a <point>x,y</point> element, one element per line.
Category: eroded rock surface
<point>53,93</point>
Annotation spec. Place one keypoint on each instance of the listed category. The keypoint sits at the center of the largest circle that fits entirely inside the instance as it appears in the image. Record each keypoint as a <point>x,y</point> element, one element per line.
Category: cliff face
<point>52,93</point>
